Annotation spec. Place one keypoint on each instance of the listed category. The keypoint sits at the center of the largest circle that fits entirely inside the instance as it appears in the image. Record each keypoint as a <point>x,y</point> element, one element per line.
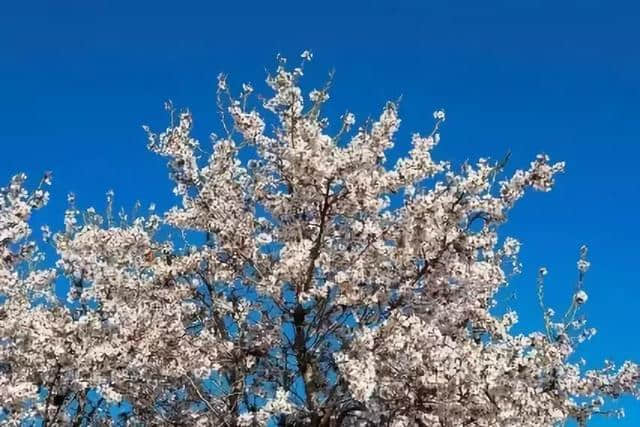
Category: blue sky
<point>78,80</point>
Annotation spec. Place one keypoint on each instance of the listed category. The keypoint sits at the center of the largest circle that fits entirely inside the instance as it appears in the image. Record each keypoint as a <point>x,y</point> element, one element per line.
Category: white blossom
<point>349,119</point>
<point>318,96</point>
<point>583,265</point>
<point>580,297</point>
<point>439,115</point>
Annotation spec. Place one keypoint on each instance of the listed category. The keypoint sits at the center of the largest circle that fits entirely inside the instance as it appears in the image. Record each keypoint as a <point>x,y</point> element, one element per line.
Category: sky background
<point>79,79</point>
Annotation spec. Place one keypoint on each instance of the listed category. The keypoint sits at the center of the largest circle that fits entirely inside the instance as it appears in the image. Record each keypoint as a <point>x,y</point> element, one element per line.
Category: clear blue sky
<point>78,79</point>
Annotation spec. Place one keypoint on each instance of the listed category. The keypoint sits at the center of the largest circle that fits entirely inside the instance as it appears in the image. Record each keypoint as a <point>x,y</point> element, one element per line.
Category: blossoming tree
<point>300,297</point>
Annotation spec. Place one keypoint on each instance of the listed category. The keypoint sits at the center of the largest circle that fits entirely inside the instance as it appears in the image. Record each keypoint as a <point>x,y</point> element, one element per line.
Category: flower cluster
<point>295,293</point>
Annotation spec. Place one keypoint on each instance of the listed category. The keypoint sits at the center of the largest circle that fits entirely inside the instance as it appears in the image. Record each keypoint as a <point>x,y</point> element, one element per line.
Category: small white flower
<point>511,247</point>
<point>439,115</point>
<point>580,297</point>
<point>583,265</point>
<point>349,119</point>
<point>222,82</point>
<point>46,233</point>
<point>341,277</point>
<point>306,55</point>
<point>47,178</point>
<point>263,238</point>
<point>318,96</point>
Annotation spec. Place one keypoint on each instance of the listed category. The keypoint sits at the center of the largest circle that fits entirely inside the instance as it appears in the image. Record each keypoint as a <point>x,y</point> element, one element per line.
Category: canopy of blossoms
<point>287,289</point>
